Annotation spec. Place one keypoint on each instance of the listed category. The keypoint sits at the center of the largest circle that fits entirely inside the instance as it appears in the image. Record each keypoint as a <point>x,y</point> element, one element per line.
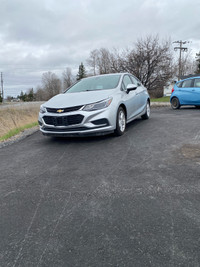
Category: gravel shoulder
<point>19,137</point>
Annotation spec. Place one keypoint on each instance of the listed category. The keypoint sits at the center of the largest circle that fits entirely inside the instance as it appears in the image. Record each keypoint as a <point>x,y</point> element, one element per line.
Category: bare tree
<point>117,61</point>
<point>153,61</point>
<point>197,70</point>
<point>51,84</point>
<point>92,60</point>
<point>187,65</point>
<point>40,94</point>
<point>103,61</point>
<point>149,59</point>
<point>68,78</point>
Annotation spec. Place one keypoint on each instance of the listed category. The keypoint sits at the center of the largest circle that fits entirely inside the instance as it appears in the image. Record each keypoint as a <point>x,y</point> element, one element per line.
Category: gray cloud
<point>41,35</point>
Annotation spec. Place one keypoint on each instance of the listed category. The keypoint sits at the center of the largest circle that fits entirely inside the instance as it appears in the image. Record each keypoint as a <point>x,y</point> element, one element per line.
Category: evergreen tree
<point>81,72</point>
<point>23,96</point>
<point>30,95</point>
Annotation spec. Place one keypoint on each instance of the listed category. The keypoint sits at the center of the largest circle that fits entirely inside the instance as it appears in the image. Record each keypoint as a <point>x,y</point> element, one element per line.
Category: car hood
<point>77,99</point>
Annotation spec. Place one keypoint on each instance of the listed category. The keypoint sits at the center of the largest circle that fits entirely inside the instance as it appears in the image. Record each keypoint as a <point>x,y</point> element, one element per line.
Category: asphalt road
<point>132,200</point>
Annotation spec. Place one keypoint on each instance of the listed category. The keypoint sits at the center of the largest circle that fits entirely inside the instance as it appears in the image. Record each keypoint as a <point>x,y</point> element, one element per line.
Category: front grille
<point>64,130</point>
<point>64,110</point>
<point>63,120</point>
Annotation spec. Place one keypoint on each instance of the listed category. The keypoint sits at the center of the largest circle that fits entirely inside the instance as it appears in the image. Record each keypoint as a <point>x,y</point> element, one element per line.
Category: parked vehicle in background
<point>96,105</point>
<point>186,92</point>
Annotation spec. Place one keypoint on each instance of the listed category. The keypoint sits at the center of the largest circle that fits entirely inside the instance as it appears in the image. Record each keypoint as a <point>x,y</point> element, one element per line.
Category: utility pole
<point>2,85</point>
<point>181,49</point>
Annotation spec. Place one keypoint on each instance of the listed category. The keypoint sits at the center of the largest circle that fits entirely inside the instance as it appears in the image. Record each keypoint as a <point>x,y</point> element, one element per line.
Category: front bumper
<point>78,123</point>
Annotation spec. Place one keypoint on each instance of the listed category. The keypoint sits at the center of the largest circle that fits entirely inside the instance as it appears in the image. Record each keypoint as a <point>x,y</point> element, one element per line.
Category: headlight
<point>42,109</point>
<point>98,105</point>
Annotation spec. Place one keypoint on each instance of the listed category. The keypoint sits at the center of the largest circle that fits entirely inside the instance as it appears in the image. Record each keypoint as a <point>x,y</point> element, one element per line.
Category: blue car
<point>186,92</point>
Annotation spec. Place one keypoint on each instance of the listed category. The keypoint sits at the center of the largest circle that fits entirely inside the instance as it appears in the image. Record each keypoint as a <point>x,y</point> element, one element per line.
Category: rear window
<point>179,84</point>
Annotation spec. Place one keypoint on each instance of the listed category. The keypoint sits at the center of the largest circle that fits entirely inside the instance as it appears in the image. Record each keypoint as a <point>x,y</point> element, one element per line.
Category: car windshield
<point>95,83</point>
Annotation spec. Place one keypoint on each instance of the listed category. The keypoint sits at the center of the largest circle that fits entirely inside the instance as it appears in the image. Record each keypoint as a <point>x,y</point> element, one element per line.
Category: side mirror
<point>131,87</point>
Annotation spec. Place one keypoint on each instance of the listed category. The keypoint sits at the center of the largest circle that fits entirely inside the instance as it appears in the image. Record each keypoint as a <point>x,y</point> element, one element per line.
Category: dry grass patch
<point>14,117</point>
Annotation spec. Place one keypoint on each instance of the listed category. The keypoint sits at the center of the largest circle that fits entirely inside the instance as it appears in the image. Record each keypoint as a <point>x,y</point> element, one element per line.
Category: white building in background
<point>168,87</point>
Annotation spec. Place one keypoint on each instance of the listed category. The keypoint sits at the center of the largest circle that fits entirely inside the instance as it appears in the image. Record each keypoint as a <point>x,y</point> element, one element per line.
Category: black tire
<point>175,104</point>
<point>120,122</point>
<point>197,107</point>
<point>146,115</point>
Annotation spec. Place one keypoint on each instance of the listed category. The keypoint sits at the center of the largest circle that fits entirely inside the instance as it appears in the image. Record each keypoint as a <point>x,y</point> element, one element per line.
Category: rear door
<point>140,94</point>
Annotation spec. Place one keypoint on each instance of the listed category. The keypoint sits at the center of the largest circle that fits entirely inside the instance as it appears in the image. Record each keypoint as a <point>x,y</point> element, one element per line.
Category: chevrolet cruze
<point>96,105</point>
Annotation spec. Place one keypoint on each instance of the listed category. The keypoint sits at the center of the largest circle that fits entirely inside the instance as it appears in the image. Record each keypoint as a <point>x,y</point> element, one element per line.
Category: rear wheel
<point>121,122</point>
<point>175,104</point>
<point>146,115</point>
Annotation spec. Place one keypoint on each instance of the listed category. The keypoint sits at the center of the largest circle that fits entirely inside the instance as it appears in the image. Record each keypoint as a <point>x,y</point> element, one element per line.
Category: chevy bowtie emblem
<point>60,110</point>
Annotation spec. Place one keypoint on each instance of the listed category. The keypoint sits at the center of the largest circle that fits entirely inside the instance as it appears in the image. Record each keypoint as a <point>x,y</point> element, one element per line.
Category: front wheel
<point>146,115</point>
<point>175,104</point>
<point>121,122</point>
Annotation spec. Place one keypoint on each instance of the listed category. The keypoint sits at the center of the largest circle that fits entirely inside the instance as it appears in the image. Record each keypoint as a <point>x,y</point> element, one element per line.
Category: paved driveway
<point>127,201</point>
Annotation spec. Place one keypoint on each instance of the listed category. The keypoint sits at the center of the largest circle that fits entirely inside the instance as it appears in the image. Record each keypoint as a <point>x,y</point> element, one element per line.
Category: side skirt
<point>137,116</point>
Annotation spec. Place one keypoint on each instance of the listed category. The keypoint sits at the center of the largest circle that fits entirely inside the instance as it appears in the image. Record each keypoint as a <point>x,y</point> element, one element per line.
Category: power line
<point>181,49</point>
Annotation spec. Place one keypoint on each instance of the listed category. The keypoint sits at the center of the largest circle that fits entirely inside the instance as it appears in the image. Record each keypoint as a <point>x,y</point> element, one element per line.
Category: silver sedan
<point>96,105</point>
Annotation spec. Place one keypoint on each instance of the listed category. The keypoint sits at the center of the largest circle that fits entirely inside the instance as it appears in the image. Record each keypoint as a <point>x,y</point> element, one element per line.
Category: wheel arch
<point>118,131</point>
<point>178,102</point>
<point>124,107</point>
<point>174,96</point>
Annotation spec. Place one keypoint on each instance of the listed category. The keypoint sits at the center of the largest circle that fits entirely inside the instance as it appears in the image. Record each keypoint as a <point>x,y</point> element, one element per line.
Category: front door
<point>131,99</point>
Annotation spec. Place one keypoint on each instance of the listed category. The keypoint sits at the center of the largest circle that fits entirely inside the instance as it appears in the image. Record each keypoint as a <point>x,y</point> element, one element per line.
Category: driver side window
<point>126,81</point>
<point>134,80</point>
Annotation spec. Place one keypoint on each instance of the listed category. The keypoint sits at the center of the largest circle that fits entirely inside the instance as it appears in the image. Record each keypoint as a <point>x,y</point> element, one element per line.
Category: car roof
<point>189,78</point>
<point>109,74</point>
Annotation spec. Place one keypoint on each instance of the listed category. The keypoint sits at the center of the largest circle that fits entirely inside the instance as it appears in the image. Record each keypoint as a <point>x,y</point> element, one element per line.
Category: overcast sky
<point>49,35</point>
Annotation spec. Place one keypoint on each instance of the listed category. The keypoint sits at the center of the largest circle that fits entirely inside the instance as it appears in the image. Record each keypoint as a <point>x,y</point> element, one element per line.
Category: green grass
<point>17,131</point>
<point>161,99</point>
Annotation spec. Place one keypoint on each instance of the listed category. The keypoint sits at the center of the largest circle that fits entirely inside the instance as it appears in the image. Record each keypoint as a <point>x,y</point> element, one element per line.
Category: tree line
<point>149,59</point>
